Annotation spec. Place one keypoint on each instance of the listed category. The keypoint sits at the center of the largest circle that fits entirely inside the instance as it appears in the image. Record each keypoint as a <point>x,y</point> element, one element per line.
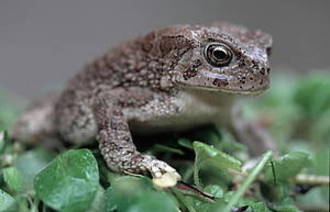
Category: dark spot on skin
<point>251,78</point>
<point>261,82</point>
<point>268,70</point>
<point>189,73</point>
<point>197,63</point>
<point>241,63</point>
<point>262,71</point>
<point>192,71</point>
<point>241,87</point>
<point>255,65</point>
<point>220,82</point>
<point>242,80</point>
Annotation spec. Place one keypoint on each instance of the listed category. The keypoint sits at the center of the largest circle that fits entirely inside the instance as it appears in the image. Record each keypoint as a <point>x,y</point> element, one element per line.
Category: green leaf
<point>154,201</point>
<point>13,179</point>
<point>124,191</point>
<point>215,190</point>
<point>287,207</point>
<point>208,155</point>
<point>313,95</point>
<point>69,182</point>
<point>163,148</point>
<point>30,163</point>
<point>259,207</point>
<point>185,143</point>
<point>276,192</point>
<point>212,156</point>
<point>288,166</point>
<point>99,202</point>
<point>7,203</point>
<point>137,194</point>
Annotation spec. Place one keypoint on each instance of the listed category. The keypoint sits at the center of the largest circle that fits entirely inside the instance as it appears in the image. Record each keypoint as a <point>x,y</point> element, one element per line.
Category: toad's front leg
<point>115,141</point>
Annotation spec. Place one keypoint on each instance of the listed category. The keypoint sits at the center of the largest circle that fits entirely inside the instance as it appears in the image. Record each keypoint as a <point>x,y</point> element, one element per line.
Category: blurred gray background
<point>43,42</point>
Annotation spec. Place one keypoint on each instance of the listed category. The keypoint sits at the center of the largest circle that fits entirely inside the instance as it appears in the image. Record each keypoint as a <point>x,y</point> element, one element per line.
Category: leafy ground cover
<point>295,111</point>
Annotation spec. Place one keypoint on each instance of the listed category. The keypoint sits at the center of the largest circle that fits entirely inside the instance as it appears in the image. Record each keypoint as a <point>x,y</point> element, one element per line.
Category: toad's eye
<point>218,54</point>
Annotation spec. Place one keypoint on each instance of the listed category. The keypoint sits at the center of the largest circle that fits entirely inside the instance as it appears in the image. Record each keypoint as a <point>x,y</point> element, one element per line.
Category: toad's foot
<point>158,168</point>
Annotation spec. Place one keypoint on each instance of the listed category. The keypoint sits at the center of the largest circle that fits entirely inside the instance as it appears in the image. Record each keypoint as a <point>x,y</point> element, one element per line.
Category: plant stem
<point>250,178</point>
<point>312,180</point>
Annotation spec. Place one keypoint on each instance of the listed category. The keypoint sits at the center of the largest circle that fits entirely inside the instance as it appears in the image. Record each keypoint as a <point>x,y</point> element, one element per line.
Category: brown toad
<point>173,78</point>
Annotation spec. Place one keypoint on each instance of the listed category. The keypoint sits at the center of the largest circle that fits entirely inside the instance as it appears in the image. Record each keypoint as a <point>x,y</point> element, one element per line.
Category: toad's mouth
<point>230,91</point>
<point>217,76</point>
<point>216,82</point>
<point>232,84</point>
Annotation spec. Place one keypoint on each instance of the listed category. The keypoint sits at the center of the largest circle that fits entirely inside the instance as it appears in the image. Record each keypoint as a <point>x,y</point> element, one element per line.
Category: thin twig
<point>312,180</point>
<point>250,178</point>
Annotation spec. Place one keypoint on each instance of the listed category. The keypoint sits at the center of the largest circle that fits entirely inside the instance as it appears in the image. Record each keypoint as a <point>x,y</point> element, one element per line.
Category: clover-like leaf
<point>30,163</point>
<point>69,182</point>
<point>288,166</point>
<point>137,194</point>
<point>13,179</point>
<point>208,155</point>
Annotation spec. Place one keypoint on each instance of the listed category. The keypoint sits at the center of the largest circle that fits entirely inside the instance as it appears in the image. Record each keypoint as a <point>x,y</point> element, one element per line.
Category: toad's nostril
<point>269,51</point>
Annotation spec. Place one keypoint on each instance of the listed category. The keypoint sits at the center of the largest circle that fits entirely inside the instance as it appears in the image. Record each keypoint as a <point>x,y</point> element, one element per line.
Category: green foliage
<point>130,194</point>
<point>296,111</point>
<point>69,182</point>
<point>313,95</point>
<point>247,183</point>
<point>13,179</point>
<point>7,202</point>
<point>30,163</point>
<point>210,156</point>
<point>287,166</point>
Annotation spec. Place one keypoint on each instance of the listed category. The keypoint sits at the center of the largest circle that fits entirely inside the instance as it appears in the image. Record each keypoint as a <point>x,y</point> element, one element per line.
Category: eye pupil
<point>218,54</point>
